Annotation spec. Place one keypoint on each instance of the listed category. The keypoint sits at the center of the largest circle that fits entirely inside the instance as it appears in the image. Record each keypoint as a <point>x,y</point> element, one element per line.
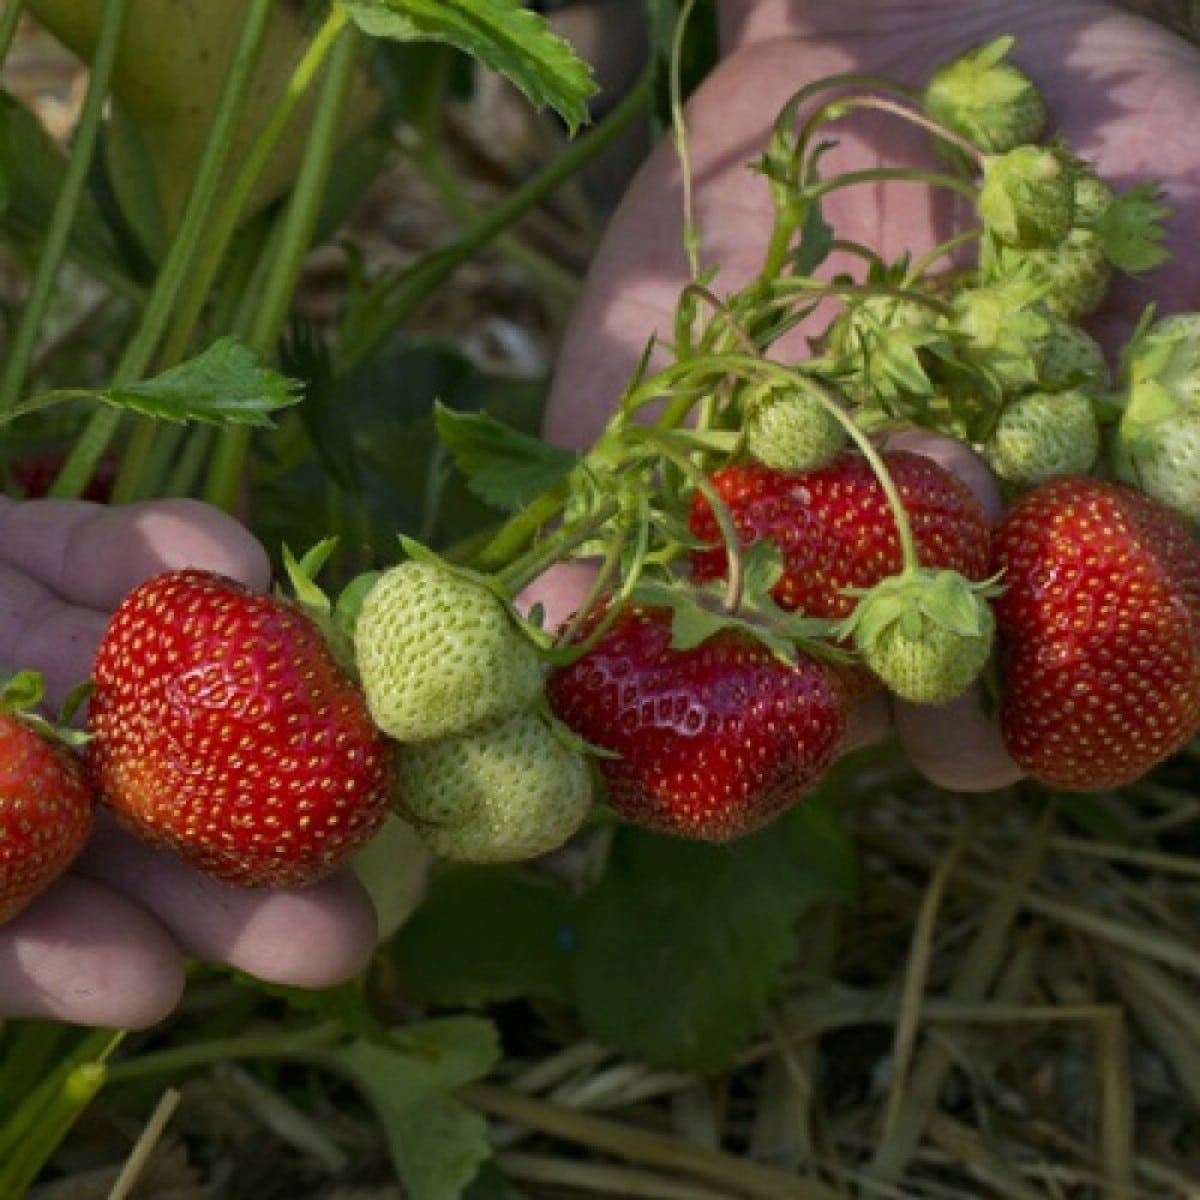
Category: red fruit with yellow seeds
<point>224,727</point>
<point>46,812</point>
<point>709,742</point>
<point>835,530</point>
<point>1099,633</point>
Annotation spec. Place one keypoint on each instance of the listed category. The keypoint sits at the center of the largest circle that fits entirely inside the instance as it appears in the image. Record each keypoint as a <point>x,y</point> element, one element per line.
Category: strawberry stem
<point>691,229</point>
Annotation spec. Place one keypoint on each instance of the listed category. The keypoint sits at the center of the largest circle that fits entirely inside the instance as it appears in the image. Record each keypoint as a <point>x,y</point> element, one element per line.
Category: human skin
<point>1115,85</point>
<point>107,944</point>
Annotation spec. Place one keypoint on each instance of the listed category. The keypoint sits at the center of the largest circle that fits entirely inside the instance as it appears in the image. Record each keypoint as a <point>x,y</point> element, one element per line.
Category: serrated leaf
<point>681,944</point>
<point>486,935</point>
<point>502,34</point>
<point>436,1142</point>
<point>502,466</point>
<point>1131,230</point>
<point>225,384</point>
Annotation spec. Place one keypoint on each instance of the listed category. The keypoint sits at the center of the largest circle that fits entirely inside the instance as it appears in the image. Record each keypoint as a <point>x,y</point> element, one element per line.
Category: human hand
<point>106,945</point>
<point>1114,84</point>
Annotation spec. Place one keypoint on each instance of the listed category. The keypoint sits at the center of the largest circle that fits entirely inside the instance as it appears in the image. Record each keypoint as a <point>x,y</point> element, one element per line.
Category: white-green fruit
<point>438,653</point>
<point>1044,435</point>
<point>1166,463</point>
<point>508,792</point>
<point>791,431</point>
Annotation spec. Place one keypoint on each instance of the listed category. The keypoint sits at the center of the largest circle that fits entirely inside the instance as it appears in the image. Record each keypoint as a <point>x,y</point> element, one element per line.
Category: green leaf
<point>503,466</point>
<point>681,944</point>
<point>485,935</point>
<point>1131,229</point>
<point>436,1143</point>
<point>225,384</point>
<point>501,34</point>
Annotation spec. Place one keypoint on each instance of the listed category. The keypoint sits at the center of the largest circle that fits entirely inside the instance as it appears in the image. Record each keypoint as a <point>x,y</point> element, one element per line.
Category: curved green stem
<point>20,353</point>
<point>691,230</point>
<point>941,250</point>
<point>900,174</point>
<point>837,108</point>
<point>523,570</point>
<point>789,377</point>
<point>735,577</point>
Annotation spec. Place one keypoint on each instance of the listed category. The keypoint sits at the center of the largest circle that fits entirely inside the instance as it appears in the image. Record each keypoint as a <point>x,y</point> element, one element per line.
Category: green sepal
<point>1131,229</point>
<point>943,597</point>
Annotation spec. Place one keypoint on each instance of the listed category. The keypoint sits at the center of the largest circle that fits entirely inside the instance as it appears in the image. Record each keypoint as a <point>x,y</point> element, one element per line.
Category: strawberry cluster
<point>763,555</point>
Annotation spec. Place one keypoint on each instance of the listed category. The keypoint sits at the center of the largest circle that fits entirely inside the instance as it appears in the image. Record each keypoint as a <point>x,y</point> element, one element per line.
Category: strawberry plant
<point>616,821</point>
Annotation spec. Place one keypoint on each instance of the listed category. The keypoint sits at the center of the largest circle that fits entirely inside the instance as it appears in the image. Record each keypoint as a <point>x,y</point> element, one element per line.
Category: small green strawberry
<point>507,792</point>
<point>926,634</point>
<point>1073,359</point>
<point>1156,443</point>
<point>1027,198</point>
<point>791,430</point>
<point>1042,435</point>
<point>439,652</point>
<point>1165,463</point>
<point>1004,332</point>
<point>984,97</point>
<point>1077,272</point>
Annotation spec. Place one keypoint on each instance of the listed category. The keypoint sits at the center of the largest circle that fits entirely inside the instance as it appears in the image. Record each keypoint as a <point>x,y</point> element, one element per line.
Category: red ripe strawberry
<point>1099,633</point>
<point>223,726</point>
<point>835,530</point>
<point>46,810</point>
<point>709,742</point>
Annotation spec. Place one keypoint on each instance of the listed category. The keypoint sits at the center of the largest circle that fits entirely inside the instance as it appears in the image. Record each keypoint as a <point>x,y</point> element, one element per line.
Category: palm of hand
<point>1114,84</point>
<point>1119,88</point>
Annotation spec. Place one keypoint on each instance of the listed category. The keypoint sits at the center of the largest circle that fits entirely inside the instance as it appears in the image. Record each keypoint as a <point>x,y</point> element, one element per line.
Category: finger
<point>559,592</point>
<point>303,937</point>
<point>957,745</point>
<point>92,555</point>
<point>39,631</point>
<point>85,955</point>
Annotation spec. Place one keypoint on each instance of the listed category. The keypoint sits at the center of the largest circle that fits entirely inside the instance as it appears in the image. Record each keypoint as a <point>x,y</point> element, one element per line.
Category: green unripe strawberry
<point>439,652</point>
<point>1027,198</point>
<point>791,430</point>
<point>878,347</point>
<point>1073,359</point>
<point>1161,365</point>
<point>1003,331</point>
<point>1078,271</point>
<point>508,792</point>
<point>1165,463</point>
<point>1043,435</point>
<point>926,634</point>
<point>986,98</point>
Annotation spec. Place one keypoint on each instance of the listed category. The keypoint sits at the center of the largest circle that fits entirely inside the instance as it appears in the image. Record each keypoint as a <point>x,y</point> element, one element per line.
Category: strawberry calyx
<point>985,97</point>
<point>21,697</point>
<point>1027,196</point>
<point>926,634</point>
